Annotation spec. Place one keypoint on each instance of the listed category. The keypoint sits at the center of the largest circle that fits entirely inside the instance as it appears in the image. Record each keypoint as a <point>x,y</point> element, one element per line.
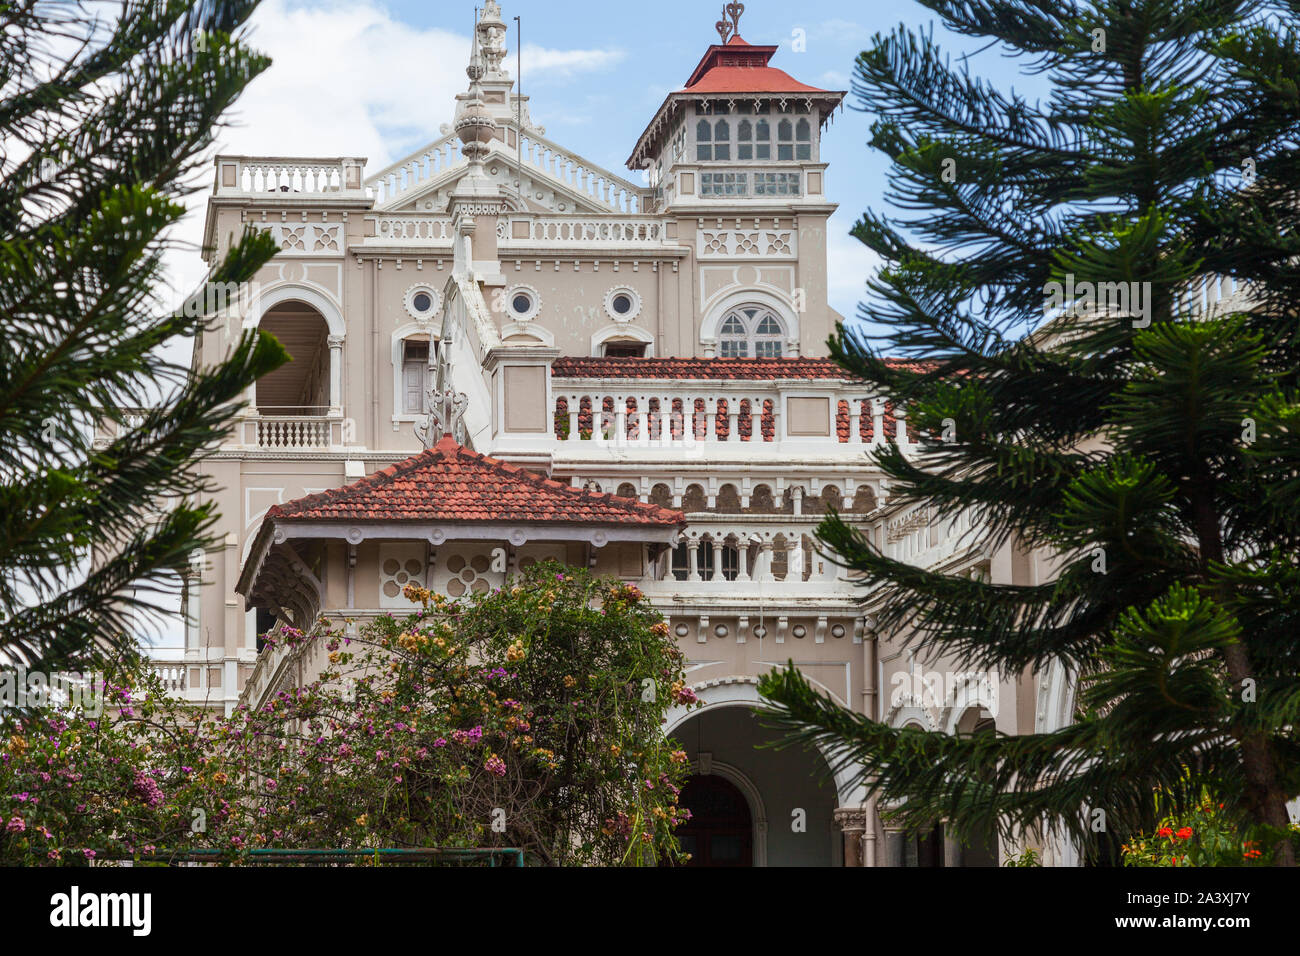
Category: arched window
<point>722,140</point>
<point>803,133</point>
<point>751,331</point>
<point>763,136</point>
<point>733,339</point>
<point>745,140</point>
<point>785,140</point>
<point>703,140</point>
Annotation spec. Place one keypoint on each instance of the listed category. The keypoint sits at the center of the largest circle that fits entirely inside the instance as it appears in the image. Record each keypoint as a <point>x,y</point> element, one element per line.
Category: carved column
<point>852,822</point>
<point>336,374</point>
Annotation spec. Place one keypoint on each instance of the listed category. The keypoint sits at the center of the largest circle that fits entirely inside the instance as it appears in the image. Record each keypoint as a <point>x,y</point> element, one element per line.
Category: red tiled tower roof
<point>450,483</point>
<point>737,69</point>
<point>740,67</point>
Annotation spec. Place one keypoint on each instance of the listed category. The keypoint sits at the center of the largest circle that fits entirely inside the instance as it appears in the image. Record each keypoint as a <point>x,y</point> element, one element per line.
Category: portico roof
<point>451,493</point>
<point>451,483</point>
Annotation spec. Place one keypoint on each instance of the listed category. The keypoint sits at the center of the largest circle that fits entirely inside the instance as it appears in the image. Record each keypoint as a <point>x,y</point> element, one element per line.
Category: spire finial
<point>729,25</point>
<point>475,70</point>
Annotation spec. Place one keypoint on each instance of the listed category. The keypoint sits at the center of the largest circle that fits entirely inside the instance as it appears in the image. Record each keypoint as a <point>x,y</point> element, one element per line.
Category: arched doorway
<point>302,386</point>
<point>720,831</point>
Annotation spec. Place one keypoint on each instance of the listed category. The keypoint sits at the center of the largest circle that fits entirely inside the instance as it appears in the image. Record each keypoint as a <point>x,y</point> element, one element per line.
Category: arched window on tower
<point>722,140</point>
<point>745,140</point>
<point>803,134</point>
<point>703,140</point>
<point>785,140</point>
<point>751,331</point>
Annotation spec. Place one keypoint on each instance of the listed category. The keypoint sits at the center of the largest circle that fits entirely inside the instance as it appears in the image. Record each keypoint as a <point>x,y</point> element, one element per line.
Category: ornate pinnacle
<point>729,25</point>
<point>446,417</point>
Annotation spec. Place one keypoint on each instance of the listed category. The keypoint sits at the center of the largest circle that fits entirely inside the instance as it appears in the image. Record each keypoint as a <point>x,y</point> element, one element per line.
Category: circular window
<point>622,304</point>
<point>422,302</point>
<point>521,303</point>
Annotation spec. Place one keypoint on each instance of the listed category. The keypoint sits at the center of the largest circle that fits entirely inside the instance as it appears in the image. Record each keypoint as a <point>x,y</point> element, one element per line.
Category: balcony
<point>720,420</point>
<point>338,178</point>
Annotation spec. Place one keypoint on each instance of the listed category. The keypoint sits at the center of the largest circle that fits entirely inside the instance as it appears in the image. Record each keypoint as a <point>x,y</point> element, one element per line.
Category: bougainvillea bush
<point>529,717</point>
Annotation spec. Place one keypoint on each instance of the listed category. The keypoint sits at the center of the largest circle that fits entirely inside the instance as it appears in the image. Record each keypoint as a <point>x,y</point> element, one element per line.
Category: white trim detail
<point>399,337</point>
<point>734,300</point>
<point>509,303</point>
<point>530,330</point>
<point>610,332</point>
<point>631,294</point>
<point>311,295</point>
<point>435,297</point>
<point>742,691</point>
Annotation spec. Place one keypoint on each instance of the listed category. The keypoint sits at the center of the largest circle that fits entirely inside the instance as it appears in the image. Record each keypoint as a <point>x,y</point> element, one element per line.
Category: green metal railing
<point>489,856</point>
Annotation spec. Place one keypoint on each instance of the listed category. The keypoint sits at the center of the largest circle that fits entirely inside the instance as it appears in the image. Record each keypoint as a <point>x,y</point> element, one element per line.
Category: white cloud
<point>566,63</point>
<point>347,79</point>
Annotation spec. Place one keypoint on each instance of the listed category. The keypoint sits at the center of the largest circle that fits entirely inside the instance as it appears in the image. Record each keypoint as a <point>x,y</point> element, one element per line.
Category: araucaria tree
<point>106,112</point>
<point>1144,434</point>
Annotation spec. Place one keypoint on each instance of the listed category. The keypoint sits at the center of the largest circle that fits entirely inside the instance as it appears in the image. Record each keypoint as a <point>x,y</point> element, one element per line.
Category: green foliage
<point>525,717</point>
<point>1203,836</point>
<point>1028,857</point>
<point>1152,448</point>
<point>109,133</point>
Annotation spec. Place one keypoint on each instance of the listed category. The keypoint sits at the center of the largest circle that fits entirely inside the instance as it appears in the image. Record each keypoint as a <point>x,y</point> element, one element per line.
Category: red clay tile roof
<point>735,67</point>
<point>692,368</point>
<point>740,67</point>
<point>452,483</point>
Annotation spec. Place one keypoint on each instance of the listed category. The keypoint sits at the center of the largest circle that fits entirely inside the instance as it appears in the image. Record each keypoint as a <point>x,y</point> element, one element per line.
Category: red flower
<point>1164,832</point>
<point>1184,834</point>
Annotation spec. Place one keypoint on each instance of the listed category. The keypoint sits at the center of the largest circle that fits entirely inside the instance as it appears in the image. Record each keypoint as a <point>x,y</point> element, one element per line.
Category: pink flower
<point>16,824</point>
<point>88,854</point>
<point>495,765</point>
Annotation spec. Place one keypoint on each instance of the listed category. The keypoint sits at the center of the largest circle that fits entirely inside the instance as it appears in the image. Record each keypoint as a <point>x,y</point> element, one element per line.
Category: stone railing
<point>261,175</point>
<point>527,231</point>
<point>726,549</point>
<point>106,430</point>
<point>689,415</point>
<point>172,675</point>
<point>413,171</point>
<point>293,432</point>
<point>1207,294</point>
<point>581,175</point>
<point>411,229</point>
<point>916,535</point>
<point>290,432</point>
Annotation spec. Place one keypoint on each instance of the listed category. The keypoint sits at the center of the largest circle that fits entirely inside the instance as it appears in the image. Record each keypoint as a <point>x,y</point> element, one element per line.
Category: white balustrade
<point>413,171</point>
<point>592,181</point>
<point>691,416</point>
<point>294,432</point>
<point>412,229</point>
<point>1208,294</point>
<point>587,231</point>
<point>172,676</point>
<point>250,175</point>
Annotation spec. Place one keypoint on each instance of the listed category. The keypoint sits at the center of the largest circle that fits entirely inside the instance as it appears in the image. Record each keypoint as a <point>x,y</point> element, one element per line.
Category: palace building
<point>504,353</point>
